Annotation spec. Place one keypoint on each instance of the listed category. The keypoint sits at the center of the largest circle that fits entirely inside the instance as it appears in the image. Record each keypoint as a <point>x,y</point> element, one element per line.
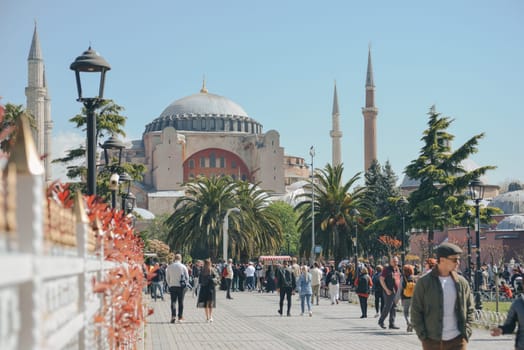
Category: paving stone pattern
<point>250,321</point>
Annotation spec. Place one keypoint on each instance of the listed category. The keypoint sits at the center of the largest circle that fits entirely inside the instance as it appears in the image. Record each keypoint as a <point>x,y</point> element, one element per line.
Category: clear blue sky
<point>279,60</point>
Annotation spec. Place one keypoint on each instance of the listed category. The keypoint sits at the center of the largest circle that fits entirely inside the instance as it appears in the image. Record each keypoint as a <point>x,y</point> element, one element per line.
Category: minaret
<point>39,103</point>
<point>370,118</point>
<point>335,133</point>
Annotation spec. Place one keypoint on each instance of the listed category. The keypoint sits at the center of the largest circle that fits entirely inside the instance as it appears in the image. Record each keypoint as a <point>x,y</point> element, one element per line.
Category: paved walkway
<point>250,321</point>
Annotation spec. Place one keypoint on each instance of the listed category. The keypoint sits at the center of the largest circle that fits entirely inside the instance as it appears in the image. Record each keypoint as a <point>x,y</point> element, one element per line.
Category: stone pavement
<point>250,321</point>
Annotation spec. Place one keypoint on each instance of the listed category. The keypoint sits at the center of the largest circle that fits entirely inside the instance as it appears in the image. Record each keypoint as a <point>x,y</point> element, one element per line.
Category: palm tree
<point>8,124</point>
<point>196,224</point>
<point>333,203</point>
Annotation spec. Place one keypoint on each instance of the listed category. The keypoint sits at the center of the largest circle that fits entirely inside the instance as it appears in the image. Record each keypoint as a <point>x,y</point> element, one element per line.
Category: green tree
<point>11,115</point>
<point>333,204</point>
<point>156,229</point>
<point>439,201</point>
<point>196,224</point>
<point>380,200</point>
<point>288,221</point>
<point>109,121</point>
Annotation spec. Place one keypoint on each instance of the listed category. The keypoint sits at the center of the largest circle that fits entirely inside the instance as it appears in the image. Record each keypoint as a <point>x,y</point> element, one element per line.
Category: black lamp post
<point>403,204</point>
<point>90,62</point>
<point>113,143</point>
<point>355,213</point>
<point>468,233</point>
<point>476,190</point>
<point>126,180</point>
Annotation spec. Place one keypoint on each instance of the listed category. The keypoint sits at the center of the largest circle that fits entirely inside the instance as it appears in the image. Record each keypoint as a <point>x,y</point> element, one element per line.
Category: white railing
<point>47,262</point>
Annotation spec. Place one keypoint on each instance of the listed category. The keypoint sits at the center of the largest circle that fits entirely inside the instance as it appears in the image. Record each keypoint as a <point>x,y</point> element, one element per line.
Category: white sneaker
<point>310,313</point>
<point>211,320</point>
<point>376,315</point>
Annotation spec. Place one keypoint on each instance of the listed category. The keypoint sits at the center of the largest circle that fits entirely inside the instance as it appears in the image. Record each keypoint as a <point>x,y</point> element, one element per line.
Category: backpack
<point>408,288</point>
<point>363,285</point>
<point>334,278</point>
<point>224,271</point>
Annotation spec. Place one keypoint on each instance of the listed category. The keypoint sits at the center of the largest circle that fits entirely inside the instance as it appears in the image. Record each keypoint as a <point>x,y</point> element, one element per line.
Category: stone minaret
<point>39,103</point>
<point>370,119</point>
<point>336,134</point>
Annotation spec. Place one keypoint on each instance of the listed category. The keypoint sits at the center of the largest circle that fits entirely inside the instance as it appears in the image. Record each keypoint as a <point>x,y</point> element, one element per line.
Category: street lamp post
<point>476,190</point>
<point>226,231</point>
<point>125,179</point>
<point>312,154</point>
<point>403,203</point>
<point>113,143</point>
<point>90,62</point>
<point>355,213</point>
<point>468,234</point>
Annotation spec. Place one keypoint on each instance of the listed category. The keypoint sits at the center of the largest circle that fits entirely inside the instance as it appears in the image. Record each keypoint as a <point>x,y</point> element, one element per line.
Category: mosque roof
<point>509,202</point>
<point>198,106</point>
<point>513,222</point>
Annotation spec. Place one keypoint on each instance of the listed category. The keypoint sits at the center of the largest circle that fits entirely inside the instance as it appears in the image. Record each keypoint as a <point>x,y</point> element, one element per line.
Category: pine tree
<point>439,201</point>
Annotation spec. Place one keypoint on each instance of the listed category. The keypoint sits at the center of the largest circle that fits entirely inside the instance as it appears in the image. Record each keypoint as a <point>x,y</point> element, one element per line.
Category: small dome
<point>509,202</point>
<point>513,222</point>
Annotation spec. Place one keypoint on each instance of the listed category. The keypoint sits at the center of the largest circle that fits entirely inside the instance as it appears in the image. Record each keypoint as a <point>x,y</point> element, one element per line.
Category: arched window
<point>212,160</point>
<point>202,162</point>
<point>191,164</point>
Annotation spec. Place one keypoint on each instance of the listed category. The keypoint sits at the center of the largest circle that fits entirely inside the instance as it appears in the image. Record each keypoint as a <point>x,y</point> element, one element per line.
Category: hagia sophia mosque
<point>206,134</point>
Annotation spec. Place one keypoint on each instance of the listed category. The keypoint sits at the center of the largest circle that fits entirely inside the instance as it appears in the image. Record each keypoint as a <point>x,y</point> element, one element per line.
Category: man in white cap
<point>442,309</point>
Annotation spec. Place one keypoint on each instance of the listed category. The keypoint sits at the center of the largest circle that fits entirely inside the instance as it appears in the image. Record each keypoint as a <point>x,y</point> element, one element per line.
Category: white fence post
<point>30,218</point>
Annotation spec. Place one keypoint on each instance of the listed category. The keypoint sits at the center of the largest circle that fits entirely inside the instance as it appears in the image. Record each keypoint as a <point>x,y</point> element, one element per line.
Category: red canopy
<point>274,258</point>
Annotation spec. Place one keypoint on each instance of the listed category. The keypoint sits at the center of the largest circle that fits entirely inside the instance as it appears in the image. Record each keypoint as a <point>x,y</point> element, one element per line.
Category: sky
<point>279,60</point>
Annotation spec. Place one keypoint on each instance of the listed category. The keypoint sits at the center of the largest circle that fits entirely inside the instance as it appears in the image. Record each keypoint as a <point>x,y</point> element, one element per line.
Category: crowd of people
<point>437,301</point>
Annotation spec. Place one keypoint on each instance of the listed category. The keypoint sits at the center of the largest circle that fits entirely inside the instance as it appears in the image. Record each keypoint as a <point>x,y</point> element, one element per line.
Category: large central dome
<point>203,104</point>
<point>205,112</point>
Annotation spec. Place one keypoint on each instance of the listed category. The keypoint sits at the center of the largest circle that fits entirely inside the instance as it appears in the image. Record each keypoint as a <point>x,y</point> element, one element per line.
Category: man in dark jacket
<point>286,284</point>
<point>442,304</point>
<point>515,315</point>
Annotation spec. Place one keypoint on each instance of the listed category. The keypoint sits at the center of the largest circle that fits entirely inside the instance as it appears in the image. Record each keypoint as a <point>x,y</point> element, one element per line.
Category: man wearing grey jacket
<point>442,304</point>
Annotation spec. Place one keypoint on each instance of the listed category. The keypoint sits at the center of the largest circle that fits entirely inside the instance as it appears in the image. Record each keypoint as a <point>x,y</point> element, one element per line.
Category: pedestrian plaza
<point>250,321</point>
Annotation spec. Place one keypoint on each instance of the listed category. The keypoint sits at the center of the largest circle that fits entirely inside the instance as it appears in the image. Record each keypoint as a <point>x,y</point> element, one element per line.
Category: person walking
<point>515,315</point>
<point>363,285</point>
<point>304,290</point>
<point>250,277</point>
<point>207,294</point>
<point>228,275</point>
<point>316,280</point>
<point>333,282</point>
<point>177,278</point>
<point>377,290</point>
<point>390,281</point>
<point>286,285</point>
<point>157,282</point>
<point>270,279</point>
<point>195,272</point>
<point>408,285</point>
<point>442,309</point>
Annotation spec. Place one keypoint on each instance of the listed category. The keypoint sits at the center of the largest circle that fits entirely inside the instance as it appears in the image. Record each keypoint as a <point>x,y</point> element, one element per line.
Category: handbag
<point>183,283</point>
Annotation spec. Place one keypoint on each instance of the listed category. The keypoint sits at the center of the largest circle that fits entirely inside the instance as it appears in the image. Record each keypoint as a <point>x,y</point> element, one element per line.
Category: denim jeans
<point>154,287</point>
<point>305,299</point>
